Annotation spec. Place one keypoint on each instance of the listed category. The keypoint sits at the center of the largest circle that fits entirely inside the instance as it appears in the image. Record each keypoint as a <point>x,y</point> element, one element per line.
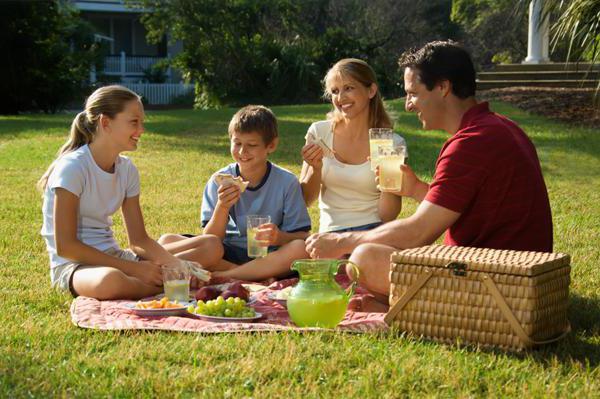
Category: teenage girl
<point>344,184</point>
<point>87,183</point>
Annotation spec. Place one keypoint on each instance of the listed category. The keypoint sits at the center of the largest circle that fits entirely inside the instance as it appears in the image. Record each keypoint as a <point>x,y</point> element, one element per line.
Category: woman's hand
<point>313,155</point>
<point>228,196</point>
<point>268,234</point>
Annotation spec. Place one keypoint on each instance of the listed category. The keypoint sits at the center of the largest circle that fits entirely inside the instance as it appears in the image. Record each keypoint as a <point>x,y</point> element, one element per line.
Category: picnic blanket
<point>113,315</point>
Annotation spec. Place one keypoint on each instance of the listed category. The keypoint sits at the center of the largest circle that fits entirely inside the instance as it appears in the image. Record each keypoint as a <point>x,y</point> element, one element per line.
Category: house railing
<point>160,93</point>
<point>123,65</point>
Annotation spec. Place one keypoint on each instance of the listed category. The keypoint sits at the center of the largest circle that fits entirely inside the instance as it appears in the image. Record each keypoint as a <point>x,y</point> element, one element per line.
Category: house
<point>131,58</point>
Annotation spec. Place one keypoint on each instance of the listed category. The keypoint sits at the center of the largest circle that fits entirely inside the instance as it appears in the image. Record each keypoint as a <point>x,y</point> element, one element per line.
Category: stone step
<point>497,84</point>
<point>555,66</point>
<point>539,75</point>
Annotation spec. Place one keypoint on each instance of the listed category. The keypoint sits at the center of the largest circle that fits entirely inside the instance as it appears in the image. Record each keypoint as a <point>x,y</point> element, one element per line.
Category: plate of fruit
<point>162,307</point>
<point>224,310</point>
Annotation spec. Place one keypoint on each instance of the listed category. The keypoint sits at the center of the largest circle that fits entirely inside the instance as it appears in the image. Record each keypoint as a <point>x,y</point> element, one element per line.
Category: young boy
<point>271,191</point>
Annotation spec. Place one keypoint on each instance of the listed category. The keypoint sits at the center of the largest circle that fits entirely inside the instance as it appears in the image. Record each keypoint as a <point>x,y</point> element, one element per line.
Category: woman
<point>343,182</point>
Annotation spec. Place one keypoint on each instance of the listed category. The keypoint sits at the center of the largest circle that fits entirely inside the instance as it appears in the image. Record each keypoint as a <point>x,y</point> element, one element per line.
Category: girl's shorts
<point>61,277</point>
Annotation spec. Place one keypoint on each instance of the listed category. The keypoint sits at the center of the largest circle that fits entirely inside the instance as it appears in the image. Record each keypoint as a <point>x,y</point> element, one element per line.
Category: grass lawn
<point>42,354</point>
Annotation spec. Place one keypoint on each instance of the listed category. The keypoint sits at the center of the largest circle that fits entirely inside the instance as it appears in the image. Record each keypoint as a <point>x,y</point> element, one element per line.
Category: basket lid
<point>502,261</point>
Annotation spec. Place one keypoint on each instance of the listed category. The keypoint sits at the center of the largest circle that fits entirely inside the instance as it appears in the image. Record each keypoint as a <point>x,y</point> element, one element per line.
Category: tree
<point>48,52</point>
<point>279,50</point>
<point>493,30</point>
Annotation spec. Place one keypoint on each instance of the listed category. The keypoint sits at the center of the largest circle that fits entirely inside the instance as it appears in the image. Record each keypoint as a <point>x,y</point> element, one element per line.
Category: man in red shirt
<point>487,191</point>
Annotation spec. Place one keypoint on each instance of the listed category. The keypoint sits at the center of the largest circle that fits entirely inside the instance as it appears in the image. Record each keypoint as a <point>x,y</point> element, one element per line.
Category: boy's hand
<point>228,196</point>
<point>313,155</point>
<point>268,234</point>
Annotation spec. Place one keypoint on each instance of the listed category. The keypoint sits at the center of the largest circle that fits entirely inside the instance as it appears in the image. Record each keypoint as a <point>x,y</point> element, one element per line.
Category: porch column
<point>122,65</point>
<point>537,38</point>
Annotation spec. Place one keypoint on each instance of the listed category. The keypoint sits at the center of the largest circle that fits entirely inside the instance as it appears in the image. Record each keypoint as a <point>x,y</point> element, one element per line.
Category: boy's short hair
<point>442,60</point>
<point>255,118</point>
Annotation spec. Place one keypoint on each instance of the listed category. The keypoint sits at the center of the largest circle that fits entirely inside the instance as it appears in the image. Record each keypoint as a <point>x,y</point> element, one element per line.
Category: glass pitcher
<point>317,300</point>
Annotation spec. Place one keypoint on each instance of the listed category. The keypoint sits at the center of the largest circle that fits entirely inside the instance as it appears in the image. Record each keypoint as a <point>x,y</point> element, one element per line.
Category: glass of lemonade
<point>176,281</point>
<point>390,175</point>
<point>379,137</point>
<point>256,249</point>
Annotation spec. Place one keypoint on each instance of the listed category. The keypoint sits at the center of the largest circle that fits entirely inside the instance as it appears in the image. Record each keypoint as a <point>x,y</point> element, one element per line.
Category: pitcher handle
<point>350,290</point>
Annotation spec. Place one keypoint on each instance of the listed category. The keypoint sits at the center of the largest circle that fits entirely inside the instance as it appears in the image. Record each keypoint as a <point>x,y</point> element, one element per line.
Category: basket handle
<point>404,299</point>
<point>510,316</point>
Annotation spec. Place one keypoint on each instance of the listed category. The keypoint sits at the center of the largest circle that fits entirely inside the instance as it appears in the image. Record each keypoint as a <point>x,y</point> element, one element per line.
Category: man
<point>487,191</point>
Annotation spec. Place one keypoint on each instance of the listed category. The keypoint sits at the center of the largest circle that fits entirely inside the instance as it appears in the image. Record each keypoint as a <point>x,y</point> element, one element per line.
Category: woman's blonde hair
<point>364,74</point>
<point>107,100</point>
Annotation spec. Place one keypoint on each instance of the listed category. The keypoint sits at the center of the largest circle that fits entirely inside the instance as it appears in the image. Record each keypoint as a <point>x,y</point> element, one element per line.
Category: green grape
<point>190,309</point>
<point>230,300</point>
<point>228,313</point>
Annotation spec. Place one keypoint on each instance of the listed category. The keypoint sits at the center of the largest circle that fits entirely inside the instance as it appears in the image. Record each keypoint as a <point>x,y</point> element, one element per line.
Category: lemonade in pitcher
<point>319,310</point>
<point>317,300</point>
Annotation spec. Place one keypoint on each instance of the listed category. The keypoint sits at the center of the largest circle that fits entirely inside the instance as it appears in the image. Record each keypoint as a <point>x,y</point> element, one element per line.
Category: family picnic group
<point>487,189</point>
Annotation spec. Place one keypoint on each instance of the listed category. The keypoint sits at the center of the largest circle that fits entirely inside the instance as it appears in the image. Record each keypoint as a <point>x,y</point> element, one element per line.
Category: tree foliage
<point>494,30</point>
<point>240,51</point>
<point>48,51</point>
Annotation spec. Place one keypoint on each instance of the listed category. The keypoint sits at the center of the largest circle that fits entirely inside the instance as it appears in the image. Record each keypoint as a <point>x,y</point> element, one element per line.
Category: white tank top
<point>349,195</point>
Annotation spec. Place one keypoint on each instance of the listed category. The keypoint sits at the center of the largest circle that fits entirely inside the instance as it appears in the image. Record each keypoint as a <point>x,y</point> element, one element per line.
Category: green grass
<point>42,354</point>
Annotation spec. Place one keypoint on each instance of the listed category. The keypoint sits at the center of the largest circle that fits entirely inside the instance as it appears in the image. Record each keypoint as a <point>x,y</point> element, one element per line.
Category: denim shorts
<point>233,254</point>
<point>61,276</point>
<point>364,227</point>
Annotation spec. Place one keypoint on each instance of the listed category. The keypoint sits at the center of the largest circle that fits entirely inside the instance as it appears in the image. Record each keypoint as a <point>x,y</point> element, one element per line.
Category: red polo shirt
<point>489,172</point>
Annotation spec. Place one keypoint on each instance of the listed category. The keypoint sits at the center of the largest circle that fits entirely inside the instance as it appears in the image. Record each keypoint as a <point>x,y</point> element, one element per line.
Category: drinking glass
<point>390,174</point>
<point>379,137</point>
<point>176,281</point>
<point>256,249</point>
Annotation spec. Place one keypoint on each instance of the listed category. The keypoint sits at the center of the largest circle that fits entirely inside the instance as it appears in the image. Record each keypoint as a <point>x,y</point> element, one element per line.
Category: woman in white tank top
<point>342,179</point>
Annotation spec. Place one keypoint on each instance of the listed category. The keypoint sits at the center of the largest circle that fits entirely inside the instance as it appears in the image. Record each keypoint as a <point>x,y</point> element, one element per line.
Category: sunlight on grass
<point>42,354</point>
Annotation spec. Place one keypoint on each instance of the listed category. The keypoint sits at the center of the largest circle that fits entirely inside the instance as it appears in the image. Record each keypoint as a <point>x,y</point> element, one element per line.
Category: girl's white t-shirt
<point>100,194</point>
<point>349,195</point>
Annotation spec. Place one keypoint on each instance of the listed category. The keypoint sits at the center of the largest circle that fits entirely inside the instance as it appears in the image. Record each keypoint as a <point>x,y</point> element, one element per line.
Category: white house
<point>130,54</point>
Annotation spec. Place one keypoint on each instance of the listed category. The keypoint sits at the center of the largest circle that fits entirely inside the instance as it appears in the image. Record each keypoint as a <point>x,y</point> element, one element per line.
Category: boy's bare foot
<point>368,304</point>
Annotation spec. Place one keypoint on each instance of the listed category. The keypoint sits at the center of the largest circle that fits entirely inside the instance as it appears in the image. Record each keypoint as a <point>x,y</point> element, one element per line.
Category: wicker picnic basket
<point>510,299</point>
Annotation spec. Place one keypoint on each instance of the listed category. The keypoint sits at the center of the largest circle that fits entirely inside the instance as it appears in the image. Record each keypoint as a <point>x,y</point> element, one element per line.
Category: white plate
<point>220,319</point>
<point>158,312</point>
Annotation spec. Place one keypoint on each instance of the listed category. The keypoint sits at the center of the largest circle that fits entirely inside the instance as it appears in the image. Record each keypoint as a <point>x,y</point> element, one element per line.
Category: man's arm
<point>422,228</point>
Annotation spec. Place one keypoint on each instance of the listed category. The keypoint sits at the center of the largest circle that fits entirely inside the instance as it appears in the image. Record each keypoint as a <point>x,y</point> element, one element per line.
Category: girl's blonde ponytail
<point>109,101</point>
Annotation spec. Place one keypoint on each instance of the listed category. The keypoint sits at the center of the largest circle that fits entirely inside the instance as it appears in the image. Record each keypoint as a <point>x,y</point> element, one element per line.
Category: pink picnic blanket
<point>113,315</point>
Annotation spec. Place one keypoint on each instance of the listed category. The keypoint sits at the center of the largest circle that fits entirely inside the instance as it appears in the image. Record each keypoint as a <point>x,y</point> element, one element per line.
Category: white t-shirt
<point>349,194</point>
<point>100,194</point>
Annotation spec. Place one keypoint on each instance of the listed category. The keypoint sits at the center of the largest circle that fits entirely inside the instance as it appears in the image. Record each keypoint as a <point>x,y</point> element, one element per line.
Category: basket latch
<point>458,268</point>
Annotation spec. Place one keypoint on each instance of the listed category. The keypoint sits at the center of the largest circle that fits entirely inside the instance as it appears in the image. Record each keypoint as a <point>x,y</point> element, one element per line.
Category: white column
<point>93,74</point>
<point>123,70</point>
<point>537,38</point>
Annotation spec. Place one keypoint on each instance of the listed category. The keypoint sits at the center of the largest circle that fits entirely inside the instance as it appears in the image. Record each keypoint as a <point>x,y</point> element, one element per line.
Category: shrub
<point>48,53</point>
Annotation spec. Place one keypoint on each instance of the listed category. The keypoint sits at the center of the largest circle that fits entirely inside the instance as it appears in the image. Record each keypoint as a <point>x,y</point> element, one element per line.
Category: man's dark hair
<point>442,60</point>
